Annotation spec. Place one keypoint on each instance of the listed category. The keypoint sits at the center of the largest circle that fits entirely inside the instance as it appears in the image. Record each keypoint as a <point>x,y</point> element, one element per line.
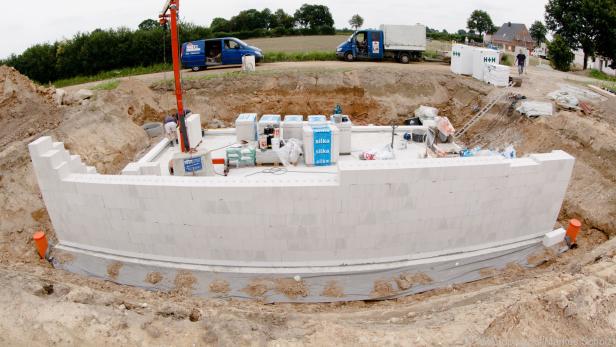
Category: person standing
<point>171,126</point>
<point>521,62</point>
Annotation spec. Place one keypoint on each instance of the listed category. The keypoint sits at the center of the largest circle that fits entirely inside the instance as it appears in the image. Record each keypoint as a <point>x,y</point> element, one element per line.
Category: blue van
<point>202,54</point>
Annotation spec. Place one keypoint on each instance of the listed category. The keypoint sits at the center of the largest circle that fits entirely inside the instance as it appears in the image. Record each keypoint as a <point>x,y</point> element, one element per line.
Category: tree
<point>220,25</point>
<point>149,24</point>
<point>538,32</point>
<point>585,24</point>
<point>356,22</point>
<point>480,21</point>
<point>560,54</point>
<point>314,16</point>
<point>283,20</point>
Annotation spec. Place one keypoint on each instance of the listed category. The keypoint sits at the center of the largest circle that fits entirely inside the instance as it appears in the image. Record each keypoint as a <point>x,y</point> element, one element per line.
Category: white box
<point>497,75</point>
<point>462,59</point>
<point>246,127</point>
<point>193,130</point>
<point>308,140</point>
<point>344,124</point>
<point>482,56</point>
<point>293,127</point>
<point>268,120</point>
<point>554,237</point>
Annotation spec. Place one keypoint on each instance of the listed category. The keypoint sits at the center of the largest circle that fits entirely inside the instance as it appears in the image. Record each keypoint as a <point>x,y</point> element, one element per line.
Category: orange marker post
<point>41,243</point>
<point>573,230</point>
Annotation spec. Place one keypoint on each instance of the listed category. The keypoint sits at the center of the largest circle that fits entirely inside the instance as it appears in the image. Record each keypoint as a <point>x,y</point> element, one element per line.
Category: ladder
<point>482,112</point>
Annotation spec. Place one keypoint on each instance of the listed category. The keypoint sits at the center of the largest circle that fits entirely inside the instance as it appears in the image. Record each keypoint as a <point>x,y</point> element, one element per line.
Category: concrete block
<point>554,237</point>
<point>132,169</point>
<point>40,146</point>
<point>150,169</point>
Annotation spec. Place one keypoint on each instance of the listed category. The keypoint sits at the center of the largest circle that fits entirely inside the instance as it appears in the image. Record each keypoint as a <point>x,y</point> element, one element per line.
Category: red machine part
<point>173,7</point>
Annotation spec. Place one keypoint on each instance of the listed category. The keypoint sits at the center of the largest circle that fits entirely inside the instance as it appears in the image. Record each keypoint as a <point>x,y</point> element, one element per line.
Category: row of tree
<point>589,25</point>
<point>103,50</point>
<point>316,18</point>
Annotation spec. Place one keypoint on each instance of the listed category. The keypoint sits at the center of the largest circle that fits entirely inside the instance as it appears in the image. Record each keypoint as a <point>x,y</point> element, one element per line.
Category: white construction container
<point>268,120</point>
<point>327,153</point>
<point>246,127</point>
<point>462,59</point>
<point>293,127</point>
<point>481,57</point>
<point>344,124</point>
<point>404,37</point>
<point>497,75</point>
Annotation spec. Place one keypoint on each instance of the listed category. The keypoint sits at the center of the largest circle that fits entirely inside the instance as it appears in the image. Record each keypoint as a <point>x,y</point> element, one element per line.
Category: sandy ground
<point>569,300</point>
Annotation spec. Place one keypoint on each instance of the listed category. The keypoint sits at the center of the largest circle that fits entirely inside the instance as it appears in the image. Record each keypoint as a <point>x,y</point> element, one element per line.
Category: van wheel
<point>404,58</point>
<point>348,56</point>
<point>196,68</point>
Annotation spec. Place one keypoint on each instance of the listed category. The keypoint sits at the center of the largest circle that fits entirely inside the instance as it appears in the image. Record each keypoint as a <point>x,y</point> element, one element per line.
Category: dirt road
<point>570,299</point>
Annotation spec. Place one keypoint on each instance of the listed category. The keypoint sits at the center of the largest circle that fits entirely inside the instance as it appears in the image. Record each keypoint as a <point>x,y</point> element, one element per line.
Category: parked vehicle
<point>202,54</point>
<point>541,52</point>
<point>400,42</point>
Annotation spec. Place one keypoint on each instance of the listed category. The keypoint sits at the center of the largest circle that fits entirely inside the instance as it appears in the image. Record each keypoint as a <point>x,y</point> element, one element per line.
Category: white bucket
<point>248,63</point>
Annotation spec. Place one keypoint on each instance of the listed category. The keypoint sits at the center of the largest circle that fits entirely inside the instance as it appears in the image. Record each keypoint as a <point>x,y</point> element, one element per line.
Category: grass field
<point>276,49</point>
<point>322,43</point>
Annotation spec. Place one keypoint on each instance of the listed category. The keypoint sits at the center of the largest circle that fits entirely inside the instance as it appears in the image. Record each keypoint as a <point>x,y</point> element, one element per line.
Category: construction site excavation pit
<point>349,230</point>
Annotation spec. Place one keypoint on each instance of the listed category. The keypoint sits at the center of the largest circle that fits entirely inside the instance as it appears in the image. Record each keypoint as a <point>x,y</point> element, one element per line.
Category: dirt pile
<point>370,96</point>
<point>99,132</point>
<point>572,296</point>
<point>591,139</point>
<point>25,108</point>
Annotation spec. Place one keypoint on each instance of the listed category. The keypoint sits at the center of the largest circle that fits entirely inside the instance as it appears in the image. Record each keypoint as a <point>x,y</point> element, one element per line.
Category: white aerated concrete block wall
<point>370,210</point>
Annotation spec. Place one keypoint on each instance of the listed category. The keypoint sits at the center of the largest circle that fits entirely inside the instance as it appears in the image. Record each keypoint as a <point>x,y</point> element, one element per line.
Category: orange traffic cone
<point>41,243</point>
<point>573,230</point>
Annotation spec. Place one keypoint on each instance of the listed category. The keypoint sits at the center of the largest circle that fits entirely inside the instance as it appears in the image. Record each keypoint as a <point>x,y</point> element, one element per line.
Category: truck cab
<point>201,54</point>
<point>402,43</point>
<point>362,45</point>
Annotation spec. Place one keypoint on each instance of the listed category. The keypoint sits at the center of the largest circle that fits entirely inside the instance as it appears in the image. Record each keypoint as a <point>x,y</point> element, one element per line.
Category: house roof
<point>512,31</point>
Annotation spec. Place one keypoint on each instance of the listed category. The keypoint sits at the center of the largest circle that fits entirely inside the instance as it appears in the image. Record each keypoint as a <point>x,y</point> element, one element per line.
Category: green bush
<point>107,85</point>
<point>131,71</point>
<point>560,54</point>
<point>507,59</point>
<point>600,75</point>
<point>272,57</point>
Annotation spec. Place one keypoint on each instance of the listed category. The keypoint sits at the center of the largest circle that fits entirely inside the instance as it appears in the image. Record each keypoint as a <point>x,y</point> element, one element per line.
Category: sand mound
<point>25,108</point>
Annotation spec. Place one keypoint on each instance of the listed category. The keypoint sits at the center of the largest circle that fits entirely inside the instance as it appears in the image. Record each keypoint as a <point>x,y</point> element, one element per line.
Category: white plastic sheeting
<point>564,98</point>
<point>497,75</point>
<point>536,109</point>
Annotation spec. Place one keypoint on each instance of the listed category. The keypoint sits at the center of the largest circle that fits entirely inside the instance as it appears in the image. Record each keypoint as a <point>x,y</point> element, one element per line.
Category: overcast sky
<point>26,22</point>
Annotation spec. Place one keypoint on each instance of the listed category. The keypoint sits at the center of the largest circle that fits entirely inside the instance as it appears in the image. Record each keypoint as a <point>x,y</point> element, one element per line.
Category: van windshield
<point>242,43</point>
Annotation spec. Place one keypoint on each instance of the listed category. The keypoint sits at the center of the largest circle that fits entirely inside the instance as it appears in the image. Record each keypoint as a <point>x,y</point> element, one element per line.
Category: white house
<point>597,63</point>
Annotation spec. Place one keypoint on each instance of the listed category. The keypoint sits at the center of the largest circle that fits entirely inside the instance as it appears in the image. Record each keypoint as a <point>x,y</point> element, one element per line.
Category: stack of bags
<point>240,156</point>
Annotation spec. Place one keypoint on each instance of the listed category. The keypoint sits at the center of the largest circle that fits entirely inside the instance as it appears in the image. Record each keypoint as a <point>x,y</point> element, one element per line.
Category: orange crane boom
<point>173,7</point>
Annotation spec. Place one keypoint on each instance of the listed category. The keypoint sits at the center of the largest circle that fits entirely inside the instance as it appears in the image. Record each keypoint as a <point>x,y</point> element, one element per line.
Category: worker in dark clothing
<point>521,62</point>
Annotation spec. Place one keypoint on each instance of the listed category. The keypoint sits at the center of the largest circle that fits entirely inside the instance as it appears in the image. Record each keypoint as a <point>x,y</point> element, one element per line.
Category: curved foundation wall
<point>366,217</point>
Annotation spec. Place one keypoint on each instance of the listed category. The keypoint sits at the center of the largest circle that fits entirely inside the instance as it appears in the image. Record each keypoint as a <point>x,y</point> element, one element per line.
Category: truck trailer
<point>402,43</point>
